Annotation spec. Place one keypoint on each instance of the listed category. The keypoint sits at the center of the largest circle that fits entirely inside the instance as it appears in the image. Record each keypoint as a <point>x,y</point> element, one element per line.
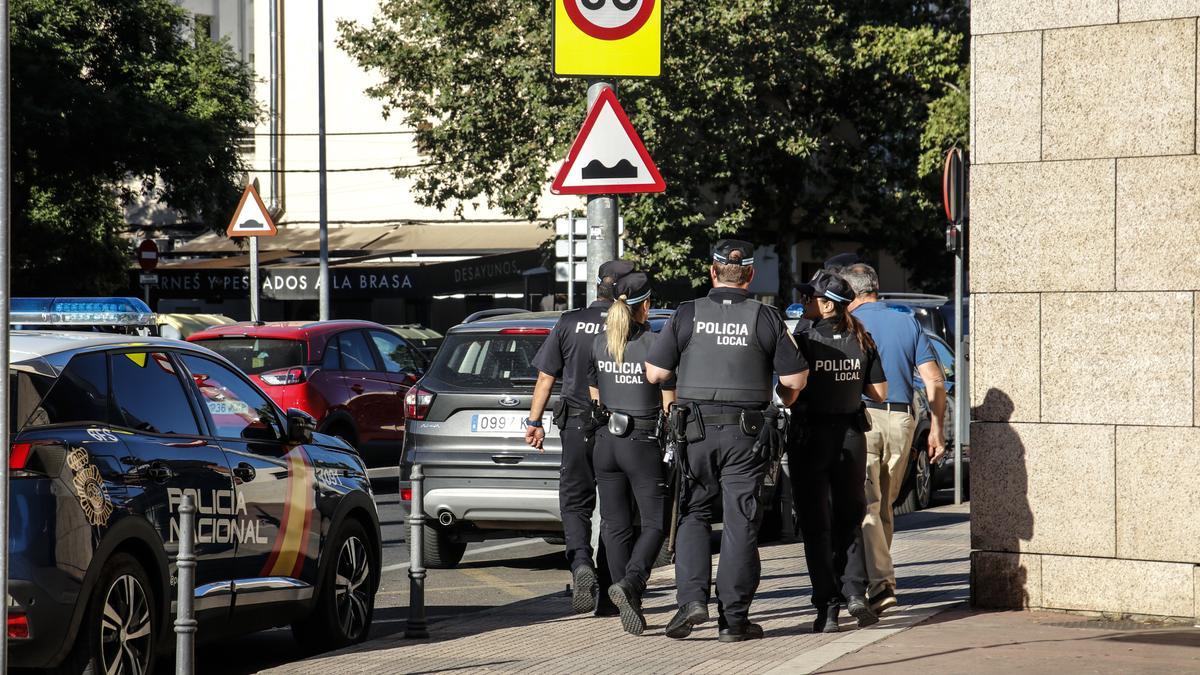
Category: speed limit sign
<point>607,38</point>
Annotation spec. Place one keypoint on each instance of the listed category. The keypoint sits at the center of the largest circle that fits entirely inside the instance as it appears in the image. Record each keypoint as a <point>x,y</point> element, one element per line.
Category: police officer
<point>829,464</point>
<point>565,354</point>
<point>723,348</point>
<point>627,457</point>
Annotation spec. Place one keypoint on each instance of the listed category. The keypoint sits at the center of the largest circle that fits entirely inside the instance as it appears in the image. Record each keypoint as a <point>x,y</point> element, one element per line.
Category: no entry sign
<point>147,254</point>
<point>607,38</point>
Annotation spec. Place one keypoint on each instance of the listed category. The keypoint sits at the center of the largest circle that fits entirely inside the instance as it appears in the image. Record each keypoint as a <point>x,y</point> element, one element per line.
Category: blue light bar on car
<point>106,311</point>
<point>795,310</point>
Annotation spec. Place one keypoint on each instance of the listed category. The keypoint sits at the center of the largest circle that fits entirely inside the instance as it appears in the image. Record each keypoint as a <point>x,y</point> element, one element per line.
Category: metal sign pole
<point>185,566</point>
<point>601,218</point>
<point>5,294</point>
<point>324,197</point>
<point>254,285</point>
<point>571,261</point>
<point>959,394</point>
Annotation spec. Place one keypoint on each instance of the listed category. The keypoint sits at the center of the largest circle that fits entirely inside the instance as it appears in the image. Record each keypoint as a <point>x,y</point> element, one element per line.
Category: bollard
<point>416,627</point>
<point>185,564</point>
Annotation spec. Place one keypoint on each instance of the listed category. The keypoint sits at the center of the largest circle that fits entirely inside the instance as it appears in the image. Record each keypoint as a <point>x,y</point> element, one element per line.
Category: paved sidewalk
<point>541,636</point>
<point>1029,642</point>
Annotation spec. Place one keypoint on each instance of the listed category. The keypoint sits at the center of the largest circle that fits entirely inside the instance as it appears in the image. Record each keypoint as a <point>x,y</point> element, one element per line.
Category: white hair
<point>862,279</point>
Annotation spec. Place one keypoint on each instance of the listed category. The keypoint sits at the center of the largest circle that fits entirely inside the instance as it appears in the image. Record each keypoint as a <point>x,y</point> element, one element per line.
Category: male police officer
<point>723,348</point>
<point>565,353</point>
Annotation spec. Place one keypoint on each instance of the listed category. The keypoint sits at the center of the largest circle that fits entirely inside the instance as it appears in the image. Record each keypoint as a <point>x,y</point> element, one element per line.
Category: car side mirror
<point>300,426</point>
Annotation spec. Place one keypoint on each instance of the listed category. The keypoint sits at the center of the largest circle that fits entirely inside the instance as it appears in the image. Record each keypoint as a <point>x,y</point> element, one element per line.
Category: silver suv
<point>465,426</point>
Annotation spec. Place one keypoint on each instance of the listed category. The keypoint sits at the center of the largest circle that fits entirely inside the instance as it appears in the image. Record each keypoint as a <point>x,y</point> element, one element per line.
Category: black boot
<point>629,603</point>
<point>859,609</point>
<point>827,618</point>
<point>583,589</point>
<point>741,633</point>
<point>690,615</point>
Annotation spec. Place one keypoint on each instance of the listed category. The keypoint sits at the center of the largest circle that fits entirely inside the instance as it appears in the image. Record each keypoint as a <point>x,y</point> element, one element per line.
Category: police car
<point>111,432</point>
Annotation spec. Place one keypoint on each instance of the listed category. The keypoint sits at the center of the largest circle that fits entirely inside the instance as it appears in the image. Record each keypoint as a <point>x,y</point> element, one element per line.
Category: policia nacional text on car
<point>828,457</point>
<point>723,349</point>
<point>565,354</point>
<point>627,458</point>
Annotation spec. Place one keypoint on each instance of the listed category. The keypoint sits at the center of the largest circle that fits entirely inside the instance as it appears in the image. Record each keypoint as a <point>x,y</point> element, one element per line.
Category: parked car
<point>925,308</point>
<point>425,339</point>
<point>110,433</point>
<point>351,376</point>
<point>181,326</point>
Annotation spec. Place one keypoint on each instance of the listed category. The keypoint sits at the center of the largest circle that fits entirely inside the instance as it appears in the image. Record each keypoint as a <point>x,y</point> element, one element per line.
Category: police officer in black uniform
<point>565,354</point>
<point>627,457</point>
<point>723,348</point>
<point>829,463</point>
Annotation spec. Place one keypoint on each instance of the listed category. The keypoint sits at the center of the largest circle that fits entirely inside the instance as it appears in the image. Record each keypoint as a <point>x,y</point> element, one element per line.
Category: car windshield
<point>259,355</point>
<point>487,361</point>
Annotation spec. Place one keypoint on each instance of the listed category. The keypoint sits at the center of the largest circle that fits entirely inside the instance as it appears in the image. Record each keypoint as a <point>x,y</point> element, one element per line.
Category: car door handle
<point>158,471</point>
<point>186,444</point>
<point>356,388</point>
<point>245,472</point>
<point>508,459</point>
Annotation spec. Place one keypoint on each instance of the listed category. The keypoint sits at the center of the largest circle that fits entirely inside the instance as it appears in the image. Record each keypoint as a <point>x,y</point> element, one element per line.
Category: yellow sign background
<point>577,54</point>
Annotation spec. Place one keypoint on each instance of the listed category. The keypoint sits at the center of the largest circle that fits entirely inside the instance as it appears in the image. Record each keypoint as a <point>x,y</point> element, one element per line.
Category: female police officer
<point>627,456</point>
<point>829,464</point>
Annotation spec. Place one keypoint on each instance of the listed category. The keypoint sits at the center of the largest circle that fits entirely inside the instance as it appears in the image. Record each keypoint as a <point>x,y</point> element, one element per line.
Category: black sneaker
<point>859,609</point>
<point>883,600</point>
<point>583,589</point>
<point>746,631</point>
<point>630,607</point>
<point>690,615</point>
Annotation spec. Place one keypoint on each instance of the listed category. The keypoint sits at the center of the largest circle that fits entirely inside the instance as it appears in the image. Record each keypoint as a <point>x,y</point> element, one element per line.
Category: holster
<point>862,420</point>
<point>596,417</point>
<point>694,429</point>
<point>560,412</point>
<point>677,417</point>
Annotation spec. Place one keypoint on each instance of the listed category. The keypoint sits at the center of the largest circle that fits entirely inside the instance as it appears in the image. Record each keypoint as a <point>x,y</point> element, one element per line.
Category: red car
<point>350,375</point>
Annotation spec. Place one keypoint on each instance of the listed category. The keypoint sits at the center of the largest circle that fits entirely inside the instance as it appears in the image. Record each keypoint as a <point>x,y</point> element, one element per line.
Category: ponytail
<point>846,323</point>
<point>617,327</point>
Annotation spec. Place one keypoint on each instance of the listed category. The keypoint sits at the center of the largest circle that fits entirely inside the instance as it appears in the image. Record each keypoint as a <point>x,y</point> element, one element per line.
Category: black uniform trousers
<point>725,476</point>
<point>577,493</point>
<point>625,467</point>
<point>829,467</point>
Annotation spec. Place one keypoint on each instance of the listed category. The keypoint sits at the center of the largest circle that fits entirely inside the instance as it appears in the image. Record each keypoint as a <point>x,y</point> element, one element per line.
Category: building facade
<point>1084,222</point>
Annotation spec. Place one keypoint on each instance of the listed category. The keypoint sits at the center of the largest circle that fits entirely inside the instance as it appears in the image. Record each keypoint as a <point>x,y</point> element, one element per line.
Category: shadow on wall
<point>1000,514</point>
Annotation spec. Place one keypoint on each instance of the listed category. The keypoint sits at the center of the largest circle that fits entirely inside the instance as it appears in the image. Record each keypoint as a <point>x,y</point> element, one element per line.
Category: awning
<point>470,238</point>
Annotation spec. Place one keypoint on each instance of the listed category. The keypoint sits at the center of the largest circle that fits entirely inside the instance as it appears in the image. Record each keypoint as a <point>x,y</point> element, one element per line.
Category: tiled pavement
<point>541,636</point>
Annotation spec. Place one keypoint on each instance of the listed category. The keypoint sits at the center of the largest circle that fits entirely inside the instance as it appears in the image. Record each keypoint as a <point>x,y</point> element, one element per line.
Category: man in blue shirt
<point>903,348</point>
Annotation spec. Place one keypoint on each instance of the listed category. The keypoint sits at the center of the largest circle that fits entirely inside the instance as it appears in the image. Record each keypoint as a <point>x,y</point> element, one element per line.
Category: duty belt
<point>643,423</point>
<point>890,407</point>
<point>722,419</point>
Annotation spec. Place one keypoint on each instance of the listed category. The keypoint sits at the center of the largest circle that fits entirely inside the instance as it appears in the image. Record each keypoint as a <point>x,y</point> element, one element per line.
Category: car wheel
<point>918,487</point>
<point>119,632</point>
<point>346,603</point>
<point>441,553</point>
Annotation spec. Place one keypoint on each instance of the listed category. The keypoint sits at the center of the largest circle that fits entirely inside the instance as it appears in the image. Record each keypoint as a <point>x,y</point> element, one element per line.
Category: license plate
<point>499,423</point>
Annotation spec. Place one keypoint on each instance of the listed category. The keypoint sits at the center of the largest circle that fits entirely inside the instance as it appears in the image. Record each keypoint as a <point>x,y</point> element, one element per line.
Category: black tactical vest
<point>623,385</point>
<point>837,371</point>
<point>723,360</point>
<point>579,327</point>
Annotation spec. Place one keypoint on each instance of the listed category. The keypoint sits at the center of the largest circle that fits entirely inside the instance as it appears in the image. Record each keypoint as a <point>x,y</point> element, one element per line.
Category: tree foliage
<point>777,119</point>
<point>112,100</point>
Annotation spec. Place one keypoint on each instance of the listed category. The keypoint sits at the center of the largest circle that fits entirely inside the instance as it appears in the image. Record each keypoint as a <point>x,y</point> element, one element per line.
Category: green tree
<point>778,119</point>
<point>112,100</point>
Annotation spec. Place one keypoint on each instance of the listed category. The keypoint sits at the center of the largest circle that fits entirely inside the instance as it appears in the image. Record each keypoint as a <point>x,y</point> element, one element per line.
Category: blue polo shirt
<point>902,346</point>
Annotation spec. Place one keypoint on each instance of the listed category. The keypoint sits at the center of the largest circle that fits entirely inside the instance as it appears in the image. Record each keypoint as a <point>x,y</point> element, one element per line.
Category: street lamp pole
<point>5,294</point>
<point>324,197</point>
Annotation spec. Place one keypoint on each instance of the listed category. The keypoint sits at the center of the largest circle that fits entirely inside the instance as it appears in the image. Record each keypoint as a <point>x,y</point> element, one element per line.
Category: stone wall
<point>1085,263</point>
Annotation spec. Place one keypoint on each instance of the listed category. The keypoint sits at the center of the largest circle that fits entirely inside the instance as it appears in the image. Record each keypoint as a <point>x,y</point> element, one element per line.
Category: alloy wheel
<point>922,483</point>
<point>353,588</point>
<point>125,628</point>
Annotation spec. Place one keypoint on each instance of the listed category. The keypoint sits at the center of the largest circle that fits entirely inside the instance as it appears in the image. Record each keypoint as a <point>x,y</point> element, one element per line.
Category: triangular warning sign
<point>251,218</point>
<point>607,156</point>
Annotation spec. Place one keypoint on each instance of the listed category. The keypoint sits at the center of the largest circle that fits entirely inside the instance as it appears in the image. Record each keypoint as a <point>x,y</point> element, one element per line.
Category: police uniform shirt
<point>840,370</point>
<point>770,331</point>
<point>564,354</point>
<point>623,385</point>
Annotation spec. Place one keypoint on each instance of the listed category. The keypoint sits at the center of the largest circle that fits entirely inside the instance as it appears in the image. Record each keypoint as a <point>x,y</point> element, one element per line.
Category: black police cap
<point>733,252</point>
<point>614,269</point>
<point>832,287</point>
<point>841,260</point>
<point>634,288</point>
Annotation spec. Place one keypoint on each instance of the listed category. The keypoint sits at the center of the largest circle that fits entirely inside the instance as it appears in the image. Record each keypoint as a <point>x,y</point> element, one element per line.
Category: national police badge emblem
<point>89,487</point>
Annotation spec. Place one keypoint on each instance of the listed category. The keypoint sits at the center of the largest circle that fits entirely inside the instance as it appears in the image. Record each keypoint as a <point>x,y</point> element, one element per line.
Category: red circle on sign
<point>147,254</point>
<point>605,32</point>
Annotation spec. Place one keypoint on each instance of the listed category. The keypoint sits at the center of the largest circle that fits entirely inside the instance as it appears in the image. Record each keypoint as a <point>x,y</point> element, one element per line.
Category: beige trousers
<point>888,443</point>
